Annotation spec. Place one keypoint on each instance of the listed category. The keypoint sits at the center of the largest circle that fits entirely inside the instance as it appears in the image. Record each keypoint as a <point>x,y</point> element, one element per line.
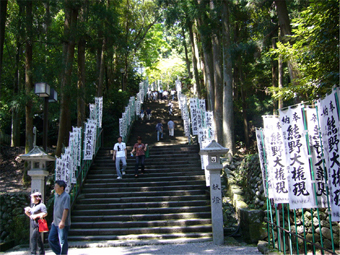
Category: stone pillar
<point>38,181</point>
<point>216,206</point>
<point>214,150</point>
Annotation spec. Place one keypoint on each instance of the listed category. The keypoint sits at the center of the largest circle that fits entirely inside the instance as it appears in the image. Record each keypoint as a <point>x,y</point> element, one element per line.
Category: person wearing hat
<point>61,219</point>
<point>120,155</point>
<point>37,211</point>
<point>140,149</point>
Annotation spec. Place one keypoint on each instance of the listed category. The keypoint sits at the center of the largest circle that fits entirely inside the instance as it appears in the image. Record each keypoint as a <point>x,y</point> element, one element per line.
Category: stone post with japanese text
<point>214,150</point>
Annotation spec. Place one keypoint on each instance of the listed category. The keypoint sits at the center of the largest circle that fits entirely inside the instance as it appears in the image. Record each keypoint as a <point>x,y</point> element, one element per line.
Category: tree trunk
<point>81,83</point>
<point>228,108</point>
<point>207,55</point>
<point>16,111</point>
<point>3,17</point>
<point>218,113</point>
<point>274,76</point>
<point>28,77</point>
<point>101,71</point>
<point>244,108</point>
<point>187,61</point>
<point>71,14</point>
<point>284,23</point>
<point>194,60</point>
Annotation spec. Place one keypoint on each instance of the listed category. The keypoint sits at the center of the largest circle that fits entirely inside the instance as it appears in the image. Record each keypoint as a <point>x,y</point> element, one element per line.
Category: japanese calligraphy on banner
<point>301,194</point>
<point>99,108</point>
<point>93,112</point>
<point>205,162</point>
<point>94,137</point>
<point>317,162</point>
<point>72,150</point>
<point>59,169</point>
<point>77,132</point>
<point>276,160</point>
<point>193,113</point>
<point>89,133</point>
<point>328,115</point>
<point>260,146</point>
<point>209,123</point>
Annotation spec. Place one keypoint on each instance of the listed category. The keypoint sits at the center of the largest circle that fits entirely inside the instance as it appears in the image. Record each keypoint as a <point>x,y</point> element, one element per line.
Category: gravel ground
<point>187,248</point>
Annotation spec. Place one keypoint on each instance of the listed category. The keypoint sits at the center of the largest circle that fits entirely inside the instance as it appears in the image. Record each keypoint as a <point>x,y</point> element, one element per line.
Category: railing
<point>84,168</point>
<point>285,239</point>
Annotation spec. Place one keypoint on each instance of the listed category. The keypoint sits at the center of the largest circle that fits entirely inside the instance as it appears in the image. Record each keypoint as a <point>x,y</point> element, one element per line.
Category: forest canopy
<point>247,58</point>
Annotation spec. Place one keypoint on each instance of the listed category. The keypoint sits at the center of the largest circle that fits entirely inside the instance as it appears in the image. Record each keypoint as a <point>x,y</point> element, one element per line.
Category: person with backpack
<point>159,129</point>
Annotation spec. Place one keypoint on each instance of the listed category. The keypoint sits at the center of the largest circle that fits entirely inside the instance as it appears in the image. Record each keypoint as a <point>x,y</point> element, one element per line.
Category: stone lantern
<point>214,150</point>
<point>38,172</point>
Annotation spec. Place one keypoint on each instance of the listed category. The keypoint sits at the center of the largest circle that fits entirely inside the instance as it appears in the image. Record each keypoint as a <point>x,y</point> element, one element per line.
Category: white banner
<point>209,123</point>
<point>88,141</point>
<point>260,147</point>
<point>329,126</point>
<point>193,113</point>
<point>276,160</point>
<point>301,193</point>
<point>318,165</point>
<point>99,108</point>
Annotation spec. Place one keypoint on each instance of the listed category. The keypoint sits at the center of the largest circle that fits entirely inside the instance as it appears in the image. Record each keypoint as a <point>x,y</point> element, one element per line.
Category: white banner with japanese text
<point>328,115</point>
<point>276,160</point>
<point>301,194</point>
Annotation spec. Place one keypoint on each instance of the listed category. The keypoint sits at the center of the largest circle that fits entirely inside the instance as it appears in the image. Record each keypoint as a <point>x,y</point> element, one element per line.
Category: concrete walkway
<point>180,248</point>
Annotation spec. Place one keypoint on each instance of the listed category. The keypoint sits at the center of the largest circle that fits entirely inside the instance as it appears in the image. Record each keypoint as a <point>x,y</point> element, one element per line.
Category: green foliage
<point>315,49</point>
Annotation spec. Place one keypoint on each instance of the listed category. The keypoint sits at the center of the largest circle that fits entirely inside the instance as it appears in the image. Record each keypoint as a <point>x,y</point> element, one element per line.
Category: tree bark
<point>228,108</point>
<point>274,76</point>
<point>3,17</point>
<point>101,71</point>
<point>194,59</point>
<point>71,14</point>
<point>81,83</point>
<point>187,61</point>
<point>16,113</point>
<point>207,55</point>
<point>218,112</point>
<point>28,78</point>
<point>284,23</point>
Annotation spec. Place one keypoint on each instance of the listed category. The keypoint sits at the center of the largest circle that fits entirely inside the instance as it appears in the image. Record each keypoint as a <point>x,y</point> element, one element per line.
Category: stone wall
<point>14,224</point>
<point>246,189</point>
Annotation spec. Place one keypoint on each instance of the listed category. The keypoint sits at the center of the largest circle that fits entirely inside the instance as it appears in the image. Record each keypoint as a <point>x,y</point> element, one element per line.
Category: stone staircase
<point>170,202</point>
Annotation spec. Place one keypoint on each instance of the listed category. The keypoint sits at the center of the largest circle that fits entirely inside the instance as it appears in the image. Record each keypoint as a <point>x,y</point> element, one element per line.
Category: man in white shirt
<point>171,127</point>
<point>120,154</point>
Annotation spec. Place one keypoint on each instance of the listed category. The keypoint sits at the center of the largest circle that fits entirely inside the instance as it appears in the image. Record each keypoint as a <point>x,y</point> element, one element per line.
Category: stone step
<point>143,204</point>
<point>139,182</point>
<point>141,217</point>
<point>143,191</point>
<point>142,210</point>
<point>153,164</point>
<point>107,173</point>
<point>112,179</point>
<point>144,198</point>
<point>131,237</point>
<point>139,224</point>
<point>141,230</point>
